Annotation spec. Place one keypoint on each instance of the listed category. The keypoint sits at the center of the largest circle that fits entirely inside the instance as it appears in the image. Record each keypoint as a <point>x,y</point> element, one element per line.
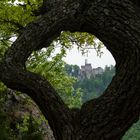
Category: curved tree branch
<point>117,24</point>
<point>37,35</point>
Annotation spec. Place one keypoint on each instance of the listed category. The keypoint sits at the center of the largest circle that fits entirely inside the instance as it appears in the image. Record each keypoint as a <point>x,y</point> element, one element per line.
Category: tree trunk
<point>117,24</point>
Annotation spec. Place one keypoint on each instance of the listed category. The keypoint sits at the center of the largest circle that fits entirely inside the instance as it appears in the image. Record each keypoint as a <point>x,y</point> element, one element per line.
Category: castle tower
<point>86,61</point>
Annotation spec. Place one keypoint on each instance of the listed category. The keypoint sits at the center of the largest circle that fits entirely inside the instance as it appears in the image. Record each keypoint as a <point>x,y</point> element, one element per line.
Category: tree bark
<point>117,24</point>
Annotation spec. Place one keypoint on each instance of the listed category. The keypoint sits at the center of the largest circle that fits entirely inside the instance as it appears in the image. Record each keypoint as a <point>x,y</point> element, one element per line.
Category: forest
<point>44,98</point>
<point>91,87</point>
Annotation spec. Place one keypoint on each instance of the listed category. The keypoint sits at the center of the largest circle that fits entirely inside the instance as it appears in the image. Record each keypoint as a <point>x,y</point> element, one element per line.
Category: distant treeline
<point>94,86</point>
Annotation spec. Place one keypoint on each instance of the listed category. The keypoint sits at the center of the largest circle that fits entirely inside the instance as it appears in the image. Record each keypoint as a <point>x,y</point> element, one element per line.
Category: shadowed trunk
<point>117,24</point>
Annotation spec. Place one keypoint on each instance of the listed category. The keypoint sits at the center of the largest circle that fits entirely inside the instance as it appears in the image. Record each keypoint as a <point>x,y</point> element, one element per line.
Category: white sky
<point>75,57</point>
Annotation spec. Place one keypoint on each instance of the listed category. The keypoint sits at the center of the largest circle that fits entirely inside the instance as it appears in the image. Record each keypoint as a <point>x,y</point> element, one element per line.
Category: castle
<point>87,71</point>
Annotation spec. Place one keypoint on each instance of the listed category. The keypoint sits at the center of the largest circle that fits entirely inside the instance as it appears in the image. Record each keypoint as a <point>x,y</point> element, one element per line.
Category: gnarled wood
<point>117,24</point>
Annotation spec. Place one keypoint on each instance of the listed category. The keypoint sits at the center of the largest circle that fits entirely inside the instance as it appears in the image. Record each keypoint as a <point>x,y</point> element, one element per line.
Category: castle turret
<point>86,61</point>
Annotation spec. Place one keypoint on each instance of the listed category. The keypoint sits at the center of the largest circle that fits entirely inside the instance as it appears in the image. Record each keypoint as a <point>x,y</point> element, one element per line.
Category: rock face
<point>19,106</point>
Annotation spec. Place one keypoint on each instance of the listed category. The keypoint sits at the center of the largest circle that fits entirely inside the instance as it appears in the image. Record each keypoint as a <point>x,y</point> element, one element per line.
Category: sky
<point>75,57</point>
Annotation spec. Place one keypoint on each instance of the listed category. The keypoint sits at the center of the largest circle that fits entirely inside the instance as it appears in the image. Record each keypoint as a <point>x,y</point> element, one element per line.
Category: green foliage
<point>14,16</point>
<point>94,86</point>
<point>84,41</point>
<point>52,67</point>
<point>12,127</point>
<point>3,89</point>
<point>133,133</point>
<point>29,128</point>
<point>72,70</point>
<point>5,132</point>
